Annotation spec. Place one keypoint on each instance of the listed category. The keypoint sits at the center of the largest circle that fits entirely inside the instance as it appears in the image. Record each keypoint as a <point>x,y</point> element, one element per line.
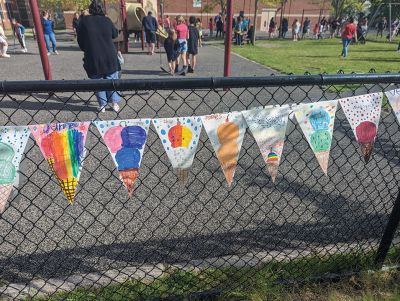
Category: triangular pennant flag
<point>226,133</point>
<point>63,146</point>
<point>180,137</point>
<point>363,113</point>
<point>394,100</point>
<point>13,141</point>
<point>268,126</point>
<point>317,121</point>
<point>125,139</point>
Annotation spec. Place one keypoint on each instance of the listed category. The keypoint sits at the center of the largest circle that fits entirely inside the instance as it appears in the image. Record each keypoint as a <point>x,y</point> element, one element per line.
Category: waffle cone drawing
<point>323,160</point>
<point>5,191</point>
<point>68,186</point>
<point>182,174</point>
<point>128,177</point>
<point>366,150</point>
<point>272,168</point>
<point>229,172</point>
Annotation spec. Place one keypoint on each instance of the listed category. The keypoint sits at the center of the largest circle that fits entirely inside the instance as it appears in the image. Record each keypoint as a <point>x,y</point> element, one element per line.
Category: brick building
<point>18,9</point>
<point>291,10</point>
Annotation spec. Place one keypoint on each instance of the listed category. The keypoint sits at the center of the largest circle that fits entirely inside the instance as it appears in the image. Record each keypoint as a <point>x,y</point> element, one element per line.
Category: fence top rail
<point>196,83</point>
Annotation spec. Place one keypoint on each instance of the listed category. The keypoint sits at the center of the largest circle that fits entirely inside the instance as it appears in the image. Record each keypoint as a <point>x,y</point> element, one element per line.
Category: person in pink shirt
<point>349,30</point>
<point>182,33</point>
<point>167,23</point>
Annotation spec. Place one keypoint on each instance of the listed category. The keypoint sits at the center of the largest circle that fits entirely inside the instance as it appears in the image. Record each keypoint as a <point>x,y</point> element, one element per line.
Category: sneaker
<point>115,107</point>
<point>5,55</point>
<point>56,52</point>
<point>190,69</point>
<point>176,68</point>
<point>48,53</point>
<point>101,109</point>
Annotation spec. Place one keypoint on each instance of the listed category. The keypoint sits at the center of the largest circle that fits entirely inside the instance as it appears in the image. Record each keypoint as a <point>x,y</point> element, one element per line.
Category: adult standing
<point>3,44</point>
<point>75,23</point>
<point>220,28</point>
<point>296,30</point>
<point>349,31</point>
<point>306,28</point>
<point>49,35</point>
<point>272,28</point>
<point>95,38</point>
<point>150,26</point>
<point>285,27</point>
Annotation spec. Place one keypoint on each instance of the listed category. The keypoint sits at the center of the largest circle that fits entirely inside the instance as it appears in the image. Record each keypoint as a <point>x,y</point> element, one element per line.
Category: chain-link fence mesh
<point>169,239</point>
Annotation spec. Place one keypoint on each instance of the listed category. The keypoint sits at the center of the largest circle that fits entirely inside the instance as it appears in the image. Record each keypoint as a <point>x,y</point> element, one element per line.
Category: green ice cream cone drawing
<point>7,174</point>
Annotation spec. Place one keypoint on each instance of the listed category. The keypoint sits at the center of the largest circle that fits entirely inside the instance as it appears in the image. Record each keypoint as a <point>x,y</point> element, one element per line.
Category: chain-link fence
<point>205,237</point>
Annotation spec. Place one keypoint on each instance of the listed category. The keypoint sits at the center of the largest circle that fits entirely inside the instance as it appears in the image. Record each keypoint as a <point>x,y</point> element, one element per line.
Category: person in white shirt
<point>3,44</point>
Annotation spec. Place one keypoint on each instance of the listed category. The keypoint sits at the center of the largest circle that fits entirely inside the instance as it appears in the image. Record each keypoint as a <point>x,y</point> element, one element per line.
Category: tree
<point>349,7</point>
<point>208,8</point>
<point>64,4</point>
<point>266,3</point>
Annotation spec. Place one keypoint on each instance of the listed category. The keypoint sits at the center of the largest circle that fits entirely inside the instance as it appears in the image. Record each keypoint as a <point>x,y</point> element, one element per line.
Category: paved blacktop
<point>43,237</point>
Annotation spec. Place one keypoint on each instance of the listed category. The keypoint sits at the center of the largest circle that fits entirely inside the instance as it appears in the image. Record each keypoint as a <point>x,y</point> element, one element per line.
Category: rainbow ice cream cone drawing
<point>273,165</point>
<point>63,146</point>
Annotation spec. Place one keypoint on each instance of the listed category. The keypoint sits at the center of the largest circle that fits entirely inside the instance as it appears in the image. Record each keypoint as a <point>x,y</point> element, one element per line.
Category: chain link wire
<point>203,236</point>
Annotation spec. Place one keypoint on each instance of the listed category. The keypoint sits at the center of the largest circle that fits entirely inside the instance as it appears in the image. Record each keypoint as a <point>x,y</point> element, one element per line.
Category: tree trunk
<point>253,41</point>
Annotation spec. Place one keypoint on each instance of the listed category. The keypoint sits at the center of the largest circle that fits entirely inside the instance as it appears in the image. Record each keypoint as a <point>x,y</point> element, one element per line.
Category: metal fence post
<point>389,233</point>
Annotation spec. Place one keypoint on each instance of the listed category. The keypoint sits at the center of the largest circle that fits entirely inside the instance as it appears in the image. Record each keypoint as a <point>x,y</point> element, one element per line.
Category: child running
<point>171,46</point>
<point>182,35</point>
<point>19,32</point>
<point>3,44</point>
<point>193,44</point>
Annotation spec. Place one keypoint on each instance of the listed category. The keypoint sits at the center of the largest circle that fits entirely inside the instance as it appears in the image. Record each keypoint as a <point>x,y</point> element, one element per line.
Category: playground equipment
<point>135,14</point>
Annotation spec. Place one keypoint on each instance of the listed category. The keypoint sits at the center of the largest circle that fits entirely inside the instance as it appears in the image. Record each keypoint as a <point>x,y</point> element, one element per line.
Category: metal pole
<point>40,39</point>
<point>390,22</point>
<point>302,20</point>
<point>125,26</point>
<point>142,33</point>
<point>228,38</point>
<point>389,233</point>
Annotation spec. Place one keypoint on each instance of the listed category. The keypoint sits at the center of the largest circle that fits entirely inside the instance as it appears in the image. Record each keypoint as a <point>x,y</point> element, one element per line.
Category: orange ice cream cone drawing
<point>228,153</point>
<point>129,177</point>
<point>5,191</point>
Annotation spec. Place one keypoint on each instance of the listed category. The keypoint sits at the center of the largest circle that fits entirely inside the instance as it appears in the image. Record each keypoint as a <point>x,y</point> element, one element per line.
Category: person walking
<point>150,26</point>
<point>193,44</point>
<point>220,28</point>
<point>211,28</point>
<point>285,27</point>
<point>3,44</point>
<point>167,23</point>
<point>75,23</point>
<point>19,32</point>
<point>272,28</point>
<point>306,28</point>
<point>349,31</point>
<point>171,47</point>
<point>49,35</point>
<point>95,38</point>
<point>182,35</point>
<point>296,30</point>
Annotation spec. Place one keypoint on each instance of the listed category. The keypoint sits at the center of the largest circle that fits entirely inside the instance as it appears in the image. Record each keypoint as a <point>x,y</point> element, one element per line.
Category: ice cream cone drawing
<point>317,122</point>
<point>12,145</point>
<point>63,146</point>
<point>394,100</point>
<point>125,139</point>
<point>268,126</point>
<point>180,137</point>
<point>363,113</point>
<point>226,133</point>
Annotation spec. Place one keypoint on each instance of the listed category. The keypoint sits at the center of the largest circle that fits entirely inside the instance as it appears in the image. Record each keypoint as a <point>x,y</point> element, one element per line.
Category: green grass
<point>268,282</point>
<point>318,56</point>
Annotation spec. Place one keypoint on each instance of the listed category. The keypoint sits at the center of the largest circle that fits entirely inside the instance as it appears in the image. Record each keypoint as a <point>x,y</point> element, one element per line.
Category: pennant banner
<point>125,139</point>
<point>180,137</point>
<point>268,126</point>
<point>226,133</point>
<point>363,113</point>
<point>316,121</point>
<point>13,141</point>
<point>394,100</point>
<point>63,146</point>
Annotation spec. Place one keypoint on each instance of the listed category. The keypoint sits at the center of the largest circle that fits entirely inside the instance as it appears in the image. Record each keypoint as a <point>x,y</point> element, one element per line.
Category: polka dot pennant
<point>363,113</point>
<point>394,100</point>
<point>179,137</point>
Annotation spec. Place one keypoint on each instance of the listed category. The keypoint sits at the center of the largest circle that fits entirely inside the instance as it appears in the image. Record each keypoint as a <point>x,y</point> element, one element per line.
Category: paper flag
<point>268,126</point>
<point>317,121</point>
<point>394,100</point>
<point>63,146</point>
<point>226,133</point>
<point>125,140</point>
<point>13,141</point>
<point>363,113</point>
<point>180,137</point>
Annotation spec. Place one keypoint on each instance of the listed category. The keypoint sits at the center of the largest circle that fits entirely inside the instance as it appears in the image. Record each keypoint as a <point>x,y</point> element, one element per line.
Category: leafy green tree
<point>271,3</point>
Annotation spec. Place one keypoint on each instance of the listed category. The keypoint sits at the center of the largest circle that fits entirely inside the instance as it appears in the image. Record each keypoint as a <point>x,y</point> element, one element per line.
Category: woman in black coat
<point>95,38</point>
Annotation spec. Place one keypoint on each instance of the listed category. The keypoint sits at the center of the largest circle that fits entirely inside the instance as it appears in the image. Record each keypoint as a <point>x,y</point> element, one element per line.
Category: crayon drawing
<point>394,100</point>
<point>63,146</point>
<point>317,121</point>
<point>180,137</point>
<point>226,133</point>
<point>13,141</point>
<point>125,139</point>
<point>268,126</point>
<point>363,113</point>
